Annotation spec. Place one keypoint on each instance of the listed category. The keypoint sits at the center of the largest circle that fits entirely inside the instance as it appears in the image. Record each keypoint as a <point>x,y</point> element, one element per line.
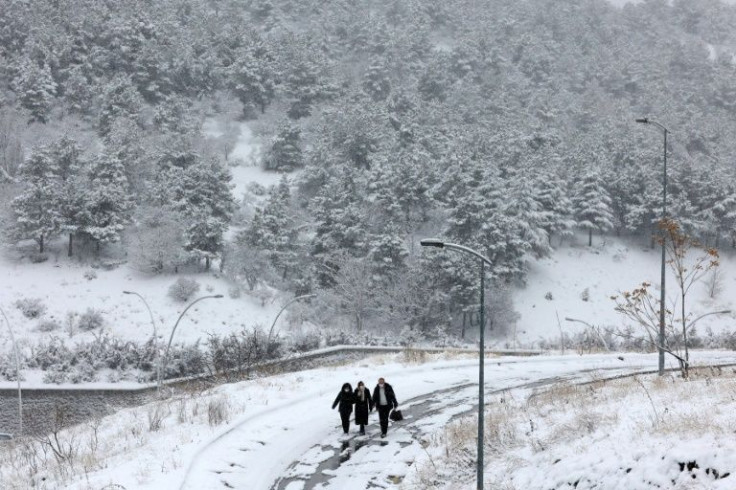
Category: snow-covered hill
<point>578,281</point>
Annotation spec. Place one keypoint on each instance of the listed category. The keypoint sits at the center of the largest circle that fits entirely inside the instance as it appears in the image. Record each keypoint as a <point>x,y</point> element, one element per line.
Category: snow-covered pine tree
<point>340,219</point>
<point>157,239</point>
<point>285,153</point>
<point>592,204</point>
<point>36,89</point>
<point>557,207</point>
<point>272,229</point>
<point>78,94</point>
<point>376,81</point>
<point>204,235</point>
<point>37,208</point>
<point>107,201</point>
<point>120,99</point>
<point>173,114</point>
<point>387,253</point>
<point>252,76</point>
<point>202,193</point>
<point>67,155</point>
<point>527,210</point>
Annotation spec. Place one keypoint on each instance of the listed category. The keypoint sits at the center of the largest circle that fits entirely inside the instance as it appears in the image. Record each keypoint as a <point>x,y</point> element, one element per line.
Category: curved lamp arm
<point>155,339</point>
<point>293,300</point>
<point>435,242</point>
<point>173,331</point>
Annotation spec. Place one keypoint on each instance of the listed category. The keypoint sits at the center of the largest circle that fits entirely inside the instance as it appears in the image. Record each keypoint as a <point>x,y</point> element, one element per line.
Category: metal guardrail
<point>80,403</point>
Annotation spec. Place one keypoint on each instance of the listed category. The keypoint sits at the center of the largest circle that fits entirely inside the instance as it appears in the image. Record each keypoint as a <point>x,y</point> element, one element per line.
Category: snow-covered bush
<point>90,320</point>
<point>237,352</point>
<point>83,372</point>
<point>409,336</point>
<point>90,274</point>
<point>31,307</point>
<point>8,369</point>
<point>37,258</point>
<point>56,375</point>
<point>48,326</point>
<point>183,289</point>
<point>304,342</point>
<point>49,354</point>
<point>184,361</point>
<point>234,291</point>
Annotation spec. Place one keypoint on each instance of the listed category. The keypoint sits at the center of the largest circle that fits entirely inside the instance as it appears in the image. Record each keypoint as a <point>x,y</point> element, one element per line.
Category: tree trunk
<point>206,263</point>
<point>590,237</point>
<point>71,240</point>
<point>40,244</point>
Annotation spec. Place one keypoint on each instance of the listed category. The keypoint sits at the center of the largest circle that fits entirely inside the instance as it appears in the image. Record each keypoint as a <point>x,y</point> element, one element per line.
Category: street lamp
<point>17,374</point>
<point>155,340</point>
<point>173,330</point>
<point>293,300</point>
<point>645,120</point>
<point>434,242</point>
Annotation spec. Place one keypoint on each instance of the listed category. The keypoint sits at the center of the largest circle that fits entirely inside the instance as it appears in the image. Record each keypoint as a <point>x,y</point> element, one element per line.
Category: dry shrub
<point>156,414</point>
<point>500,430</point>
<point>692,423</point>
<point>558,394</point>
<point>414,356</point>
<point>218,410</point>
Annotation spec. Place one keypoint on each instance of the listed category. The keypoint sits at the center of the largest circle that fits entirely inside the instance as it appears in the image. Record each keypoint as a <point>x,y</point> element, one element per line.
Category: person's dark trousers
<point>345,416</point>
<point>383,411</point>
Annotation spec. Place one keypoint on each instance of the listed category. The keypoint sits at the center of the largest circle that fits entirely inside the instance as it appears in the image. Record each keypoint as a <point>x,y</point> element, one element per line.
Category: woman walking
<point>363,406</point>
<point>345,399</point>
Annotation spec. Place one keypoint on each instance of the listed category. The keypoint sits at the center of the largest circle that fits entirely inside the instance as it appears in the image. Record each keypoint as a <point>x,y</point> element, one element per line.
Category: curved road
<point>294,446</point>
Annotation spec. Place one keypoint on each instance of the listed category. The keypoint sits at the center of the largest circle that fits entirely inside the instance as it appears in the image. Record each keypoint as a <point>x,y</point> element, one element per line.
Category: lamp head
<point>432,242</point>
<point>643,120</point>
<point>218,296</point>
<point>127,292</point>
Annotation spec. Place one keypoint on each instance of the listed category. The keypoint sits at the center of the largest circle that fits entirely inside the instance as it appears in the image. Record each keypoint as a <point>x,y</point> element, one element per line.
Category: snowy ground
<point>279,432</point>
<point>578,281</point>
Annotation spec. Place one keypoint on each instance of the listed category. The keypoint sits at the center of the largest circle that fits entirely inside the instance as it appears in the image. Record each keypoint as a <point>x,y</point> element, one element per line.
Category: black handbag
<point>396,415</point>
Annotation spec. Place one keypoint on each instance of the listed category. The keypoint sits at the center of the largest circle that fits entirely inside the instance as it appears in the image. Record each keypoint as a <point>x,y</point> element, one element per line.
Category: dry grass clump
<point>413,356</point>
<point>66,455</point>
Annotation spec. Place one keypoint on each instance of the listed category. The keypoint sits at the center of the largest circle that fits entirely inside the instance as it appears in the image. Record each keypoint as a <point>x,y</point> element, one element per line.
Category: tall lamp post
<point>173,330</point>
<point>434,242</point>
<point>17,374</point>
<point>645,120</point>
<point>292,300</point>
<point>155,339</point>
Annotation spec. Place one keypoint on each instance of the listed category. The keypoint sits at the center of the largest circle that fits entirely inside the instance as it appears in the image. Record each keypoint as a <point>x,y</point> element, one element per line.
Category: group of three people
<point>383,399</point>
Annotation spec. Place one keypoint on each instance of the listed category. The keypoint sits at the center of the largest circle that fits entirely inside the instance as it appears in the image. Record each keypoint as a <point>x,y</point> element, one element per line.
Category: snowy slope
<point>610,266</point>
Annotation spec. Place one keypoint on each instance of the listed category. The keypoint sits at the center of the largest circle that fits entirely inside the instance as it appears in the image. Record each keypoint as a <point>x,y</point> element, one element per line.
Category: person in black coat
<point>363,406</point>
<point>384,399</point>
<point>345,399</point>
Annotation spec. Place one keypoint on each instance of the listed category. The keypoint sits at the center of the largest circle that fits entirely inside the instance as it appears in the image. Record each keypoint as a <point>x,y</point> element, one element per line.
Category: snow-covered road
<point>296,443</point>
